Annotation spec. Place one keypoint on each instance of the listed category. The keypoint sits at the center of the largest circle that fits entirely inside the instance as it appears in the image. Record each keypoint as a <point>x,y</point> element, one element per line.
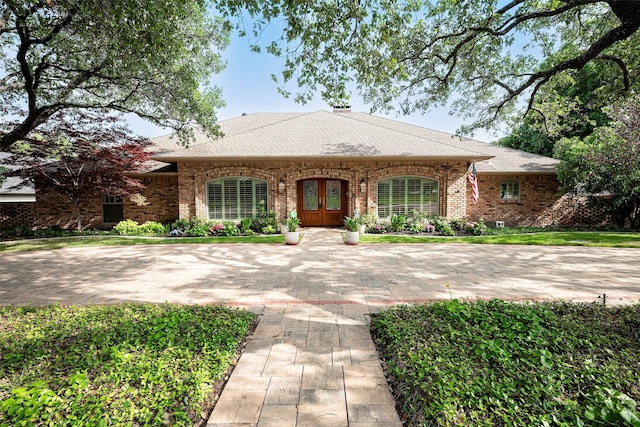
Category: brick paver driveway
<point>318,271</point>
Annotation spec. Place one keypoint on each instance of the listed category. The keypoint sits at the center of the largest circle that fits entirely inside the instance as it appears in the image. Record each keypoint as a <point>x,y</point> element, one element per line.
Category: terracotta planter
<point>351,237</point>
<point>291,237</point>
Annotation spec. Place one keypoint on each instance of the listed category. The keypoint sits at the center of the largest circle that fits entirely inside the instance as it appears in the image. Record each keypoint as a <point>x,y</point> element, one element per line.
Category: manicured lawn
<point>551,238</point>
<point>68,242</point>
<point>115,365</point>
<point>506,364</point>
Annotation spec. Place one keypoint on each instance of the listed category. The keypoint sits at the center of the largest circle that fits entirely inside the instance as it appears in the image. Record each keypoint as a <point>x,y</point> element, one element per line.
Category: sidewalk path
<point>311,361</point>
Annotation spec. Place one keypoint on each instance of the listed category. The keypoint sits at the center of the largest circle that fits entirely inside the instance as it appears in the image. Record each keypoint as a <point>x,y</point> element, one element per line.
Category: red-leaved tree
<point>80,156</point>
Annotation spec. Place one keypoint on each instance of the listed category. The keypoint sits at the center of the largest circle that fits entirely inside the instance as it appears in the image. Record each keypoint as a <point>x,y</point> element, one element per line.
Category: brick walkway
<point>311,361</point>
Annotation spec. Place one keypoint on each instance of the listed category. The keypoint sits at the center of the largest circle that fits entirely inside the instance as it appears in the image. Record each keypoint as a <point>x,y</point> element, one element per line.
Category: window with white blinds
<point>234,198</point>
<point>401,194</point>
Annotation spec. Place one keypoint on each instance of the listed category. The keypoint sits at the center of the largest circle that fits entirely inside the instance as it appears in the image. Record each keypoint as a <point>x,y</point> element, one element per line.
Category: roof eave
<point>321,158</point>
<point>519,172</point>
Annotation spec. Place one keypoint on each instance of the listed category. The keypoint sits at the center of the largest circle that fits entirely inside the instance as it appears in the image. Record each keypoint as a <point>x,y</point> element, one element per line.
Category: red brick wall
<point>169,197</point>
<point>193,176</point>
<point>13,215</point>
<point>541,203</point>
<point>161,204</point>
<point>161,193</point>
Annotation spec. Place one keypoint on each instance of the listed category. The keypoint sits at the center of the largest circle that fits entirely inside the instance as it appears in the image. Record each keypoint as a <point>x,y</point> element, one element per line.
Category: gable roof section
<point>328,135</point>
<point>315,135</point>
<point>504,160</point>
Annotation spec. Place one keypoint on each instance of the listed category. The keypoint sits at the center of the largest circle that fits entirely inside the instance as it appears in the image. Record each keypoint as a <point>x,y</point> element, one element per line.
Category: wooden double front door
<point>322,201</point>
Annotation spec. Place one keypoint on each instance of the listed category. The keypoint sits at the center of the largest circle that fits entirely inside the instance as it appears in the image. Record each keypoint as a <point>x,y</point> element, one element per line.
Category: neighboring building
<point>327,166</point>
<point>17,202</point>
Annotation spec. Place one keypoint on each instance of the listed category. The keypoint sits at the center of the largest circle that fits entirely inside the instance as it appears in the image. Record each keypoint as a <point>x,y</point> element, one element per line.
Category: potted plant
<point>291,224</point>
<point>352,236</point>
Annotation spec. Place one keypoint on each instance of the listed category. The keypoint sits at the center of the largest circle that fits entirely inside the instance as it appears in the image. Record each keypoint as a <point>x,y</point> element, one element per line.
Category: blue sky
<point>248,88</point>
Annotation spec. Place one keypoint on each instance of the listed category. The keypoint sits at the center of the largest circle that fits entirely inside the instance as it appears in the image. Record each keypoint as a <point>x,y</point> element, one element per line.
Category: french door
<point>322,201</point>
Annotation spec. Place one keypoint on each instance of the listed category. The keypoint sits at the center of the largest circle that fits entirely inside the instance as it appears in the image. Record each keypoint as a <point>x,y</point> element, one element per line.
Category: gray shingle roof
<point>15,188</point>
<point>328,135</point>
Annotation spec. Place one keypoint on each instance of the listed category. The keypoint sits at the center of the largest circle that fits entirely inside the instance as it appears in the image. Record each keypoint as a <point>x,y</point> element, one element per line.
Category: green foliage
<point>571,105</point>
<point>368,220</point>
<point>292,221</point>
<point>264,220</point>
<point>128,227</point>
<point>610,407</point>
<point>416,221</point>
<point>475,228</point>
<point>443,226</point>
<point>194,227</point>
<point>153,58</point>
<point>269,229</point>
<point>229,229</point>
<point>416,55</point>
<point>605,166</point>
<point>350,223</point>
<point>457,224</point>
<point>398,223</point>
<point>151,228</point>
<point>499,363</point>
<point>379,228</point>
<point>245,225</point>
<point>116,365</point>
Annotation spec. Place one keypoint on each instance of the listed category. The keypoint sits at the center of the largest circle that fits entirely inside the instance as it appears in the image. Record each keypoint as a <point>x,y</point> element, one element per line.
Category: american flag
<point>473,180</point>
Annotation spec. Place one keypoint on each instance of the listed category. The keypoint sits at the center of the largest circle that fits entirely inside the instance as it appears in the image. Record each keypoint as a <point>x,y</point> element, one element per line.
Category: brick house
<point>328,165</point>
<point>17,201</point>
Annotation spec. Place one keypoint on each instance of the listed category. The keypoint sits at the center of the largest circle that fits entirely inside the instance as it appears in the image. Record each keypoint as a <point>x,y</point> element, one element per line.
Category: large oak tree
<point>153,58</point>
<point>489,58</point>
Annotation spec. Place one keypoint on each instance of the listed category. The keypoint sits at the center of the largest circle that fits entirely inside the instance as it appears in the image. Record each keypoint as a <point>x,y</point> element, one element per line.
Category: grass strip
<point>71,242</point>
<point>491,363</point>
<point>136,364</point>
<point>552,238</point>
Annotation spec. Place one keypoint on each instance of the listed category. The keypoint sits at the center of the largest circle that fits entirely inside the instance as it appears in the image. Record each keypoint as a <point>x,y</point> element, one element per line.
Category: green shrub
<point>475,228</point>
<point>378,228</point>
<point>269,229</point>
<point>151,228</point>
<point>457,224</point>
<point>127,227</point>
<point>245,225</point>
<point>398,223</point>
<point>229,229</point>
<point>264,219</point>
<point>194,227</point>
<point>443,227</point>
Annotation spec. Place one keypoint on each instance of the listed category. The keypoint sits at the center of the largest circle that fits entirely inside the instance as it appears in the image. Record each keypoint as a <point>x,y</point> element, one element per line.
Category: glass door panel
<point>334,198</point>
<point>310,196</point>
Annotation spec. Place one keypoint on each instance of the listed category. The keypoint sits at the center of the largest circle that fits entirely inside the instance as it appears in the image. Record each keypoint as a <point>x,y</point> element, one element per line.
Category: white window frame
<point>509,189</point>
<point>231,206</point>
<point>400,196</point>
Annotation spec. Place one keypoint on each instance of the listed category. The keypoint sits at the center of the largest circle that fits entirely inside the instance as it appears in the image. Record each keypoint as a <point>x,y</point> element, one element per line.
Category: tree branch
<point>623,67</point>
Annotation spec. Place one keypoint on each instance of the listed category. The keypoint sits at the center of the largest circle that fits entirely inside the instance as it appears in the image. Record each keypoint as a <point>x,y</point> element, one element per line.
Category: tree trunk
<point>78,217</point>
